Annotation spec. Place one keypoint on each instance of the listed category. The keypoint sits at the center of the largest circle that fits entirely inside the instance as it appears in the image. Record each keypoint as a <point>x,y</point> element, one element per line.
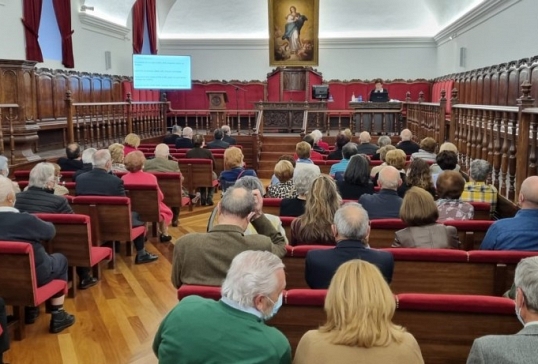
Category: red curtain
<point>31,19</point>
<point>151,18</point>
<point>62,9</point>
<point>138,26</point>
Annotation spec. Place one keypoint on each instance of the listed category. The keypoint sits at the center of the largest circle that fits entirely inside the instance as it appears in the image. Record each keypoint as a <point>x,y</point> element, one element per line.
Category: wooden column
<point>524,127</point>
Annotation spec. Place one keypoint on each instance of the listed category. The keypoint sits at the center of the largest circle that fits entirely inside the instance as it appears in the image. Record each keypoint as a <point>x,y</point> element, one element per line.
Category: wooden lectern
<point>217,103</point>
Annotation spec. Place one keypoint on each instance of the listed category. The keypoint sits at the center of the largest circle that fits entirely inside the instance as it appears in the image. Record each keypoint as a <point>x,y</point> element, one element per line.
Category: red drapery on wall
<point>31,19</point>
<point>62,9</point>
<point>138,26</point>
<point>151,18</point>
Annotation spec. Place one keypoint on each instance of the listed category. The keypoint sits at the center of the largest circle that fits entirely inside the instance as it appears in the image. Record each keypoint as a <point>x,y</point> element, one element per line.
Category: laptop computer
<point>380,96</point>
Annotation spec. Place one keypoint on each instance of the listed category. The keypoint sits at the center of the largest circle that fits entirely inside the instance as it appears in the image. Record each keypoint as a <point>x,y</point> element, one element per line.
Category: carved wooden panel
<point>74,86</point>
<point>513,85</point>
<point>494,87</point>
<point>61,85</point>
<point>473,91</point>
<point>503,85</point>
<point>10,87</point>
<point>106,89</point>
<point>85,89</point>
<point>294,80</point>
<point>117,94</point>
<point>486,95</point>
<point>480,89</point>
<point>45,95</point>
<point>534,78</point>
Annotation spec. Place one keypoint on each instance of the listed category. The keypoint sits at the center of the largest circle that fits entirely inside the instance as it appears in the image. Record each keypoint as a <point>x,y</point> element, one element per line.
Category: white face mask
<point>518,312</point>
<point>276,307</point>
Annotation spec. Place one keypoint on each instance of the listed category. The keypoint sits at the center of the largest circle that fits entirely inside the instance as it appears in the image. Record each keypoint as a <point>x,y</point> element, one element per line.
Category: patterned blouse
<point>282,190</point>
<point>454,210</point>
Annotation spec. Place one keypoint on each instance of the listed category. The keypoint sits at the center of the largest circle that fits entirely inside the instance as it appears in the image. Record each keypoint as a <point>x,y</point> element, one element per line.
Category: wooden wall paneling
<point>524,73</point>
<point>467,89</point>
<point>513,84</point>
<point>45,94</point>
<point>74,86</point>
<point>96,88</point>
<point>61,85</point>
<point>486,87</point>
<point>494,87</point>
<point>473,86</point>
<point>117,95</point>
<point>533,77</point>
<point>85,88</point>
<point>502,92</point>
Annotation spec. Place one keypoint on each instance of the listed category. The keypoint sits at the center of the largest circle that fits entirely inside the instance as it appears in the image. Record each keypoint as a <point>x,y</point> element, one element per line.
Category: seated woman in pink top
<point>134,163</point>
<point>130,143</point>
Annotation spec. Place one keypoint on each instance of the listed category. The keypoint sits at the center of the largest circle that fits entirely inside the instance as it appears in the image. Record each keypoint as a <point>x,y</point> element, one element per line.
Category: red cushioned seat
<point>301,250</point>
<point>271,202</point>
<point>428,255</point>
<point>387,224</point>
<point>455,303</point>
<point>481,206</point>
<point>469,225</point>
<point>305,297</point>
<point>289,250</point>
<point>499,256</point>
<point>212,292</point>
<point>286,220</point>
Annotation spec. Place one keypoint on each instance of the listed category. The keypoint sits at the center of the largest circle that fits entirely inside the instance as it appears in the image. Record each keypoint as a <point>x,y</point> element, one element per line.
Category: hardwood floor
<point>116,320</point>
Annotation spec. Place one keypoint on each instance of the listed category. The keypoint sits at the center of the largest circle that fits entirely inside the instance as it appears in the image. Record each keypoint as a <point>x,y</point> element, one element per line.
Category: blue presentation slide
<point>162,72</point>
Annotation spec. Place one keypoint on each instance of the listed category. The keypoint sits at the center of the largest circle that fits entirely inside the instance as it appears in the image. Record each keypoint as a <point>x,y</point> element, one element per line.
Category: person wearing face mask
<point>4,171</point>
<point>204,258</point>
<point>251,294</point>
<point>520,347</point>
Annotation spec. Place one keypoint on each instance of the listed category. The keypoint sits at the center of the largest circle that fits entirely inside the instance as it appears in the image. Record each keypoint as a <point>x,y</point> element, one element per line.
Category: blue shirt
<point>515,233</point>
<point>339,167</point>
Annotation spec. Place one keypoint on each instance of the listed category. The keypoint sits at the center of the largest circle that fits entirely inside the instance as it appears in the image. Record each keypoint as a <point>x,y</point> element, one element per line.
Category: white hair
<point>303,179</point>
<point>351,221</point>
<point>317,135</point>
<point>187,132</point>
<point>252,273</point>
<point>225,129</point>
<point>6,188</point>
<point>365,137</point>
<point>162,150</point>
<point>389,178</point>
<point>87,155</point>
<point>406,135</point>
<point>101,158</point>
<point>4,166</point>
<point>41,175</point>
<point>526,279</point>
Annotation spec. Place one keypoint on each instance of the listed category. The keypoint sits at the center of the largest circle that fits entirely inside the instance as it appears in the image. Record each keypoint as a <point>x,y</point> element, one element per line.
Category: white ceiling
<point>248,19</point>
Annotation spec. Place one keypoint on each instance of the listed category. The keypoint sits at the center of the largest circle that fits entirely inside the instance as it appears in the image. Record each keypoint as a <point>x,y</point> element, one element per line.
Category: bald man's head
<point>364,137</point>
<point>389,178</point>
<point>528,195</point>
<point>406,135</point>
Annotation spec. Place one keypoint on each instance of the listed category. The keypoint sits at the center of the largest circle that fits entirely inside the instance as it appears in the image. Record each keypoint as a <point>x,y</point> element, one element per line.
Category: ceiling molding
<point>473,18</point>
<point>102,26</point>
<point>396,42</point>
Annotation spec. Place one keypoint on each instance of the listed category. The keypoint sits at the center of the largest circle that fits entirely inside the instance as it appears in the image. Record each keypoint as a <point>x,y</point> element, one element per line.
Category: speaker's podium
<point>217,106</point>
<point>377,117</point>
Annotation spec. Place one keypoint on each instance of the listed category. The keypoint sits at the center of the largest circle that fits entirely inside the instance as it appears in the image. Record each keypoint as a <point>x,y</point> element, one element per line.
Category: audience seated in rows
<point>359,329</point>
<point>234,168</point>
<point>386,203</point>
<point>118,156</point>
<point>446,161</point>
<point>396,159</point>
<point>186,139</point>
<point>227,138</point>
<point>303,150</point>
<point>419,175</point>
<point>40,198</point>
<point>518,232</point>
<point>314,155</point>
<point>348,151</point>
<point>4,172</point>
<point>134,162</point>
<point>285,187</point>
<point>381,142</point>
<point>199,152</point>
<point>4,335</point>
<point>87,164</point>
<point>383,157</point>
<point>252,184</point>
<point>420,214</point>
<point>477,190</point>
<point>99,182</point>
<point>426,151</point>
<point>319,144</point>
<point>204,258</point>
<point>351,229</point>
<point>336,154</point>
<point>520,347</point>
<point>356,181</point>
<point>59,189</point>
<point>445,147</point>
<point>171,138</point>
<point>72,161</point>
<point>130,143</point>
<point>314,226</point>
<point>252,293</point>
<point>27,228</point>
<point>365,147</point>
<point>449,188</point>
<point>302,180</point>
<point>217,142</point>
<point>406,143</point>
<point>284,157</point>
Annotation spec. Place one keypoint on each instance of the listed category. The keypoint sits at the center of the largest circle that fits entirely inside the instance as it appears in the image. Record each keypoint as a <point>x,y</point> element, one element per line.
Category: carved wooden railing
<point>99,124</point>
<point>8,114</point>
<point>428,119</point>
<point>242,121</point>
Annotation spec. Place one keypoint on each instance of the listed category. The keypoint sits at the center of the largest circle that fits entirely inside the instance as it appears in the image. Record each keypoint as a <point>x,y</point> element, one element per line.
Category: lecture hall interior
<point>459,71</point>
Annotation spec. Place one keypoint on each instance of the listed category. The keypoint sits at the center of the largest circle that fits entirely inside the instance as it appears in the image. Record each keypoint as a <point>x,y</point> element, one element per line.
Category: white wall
<point>11,31</point>
<point>509,35</point>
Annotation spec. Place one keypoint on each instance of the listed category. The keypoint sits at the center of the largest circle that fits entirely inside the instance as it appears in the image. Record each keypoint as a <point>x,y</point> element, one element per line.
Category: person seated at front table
<point>359,329</point>
<point>450,186</point>
<point>234,168</point>
<point>377,90</point>
<point>302,180</point>
<point>23,227</point>
<point>420,213</point>
<point>314,226</point>
<point>356,181</point>
<point>131,143</point>
<point>134,162</point>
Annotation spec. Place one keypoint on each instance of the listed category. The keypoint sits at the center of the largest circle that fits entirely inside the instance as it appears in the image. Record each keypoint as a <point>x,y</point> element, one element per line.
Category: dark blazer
<point>382,205</point>
<point>200,153</point>
<point>228,139</point>
<point>350,191</point>
<point>184,143</point>
<point>367,148</point>
<point>217,144</point>
<point>36,199</point>
<point>320,265</point>
<point>292,207</point>
<point>372,93</point>
<point>171,139</point>
<point>335,155</point>
<point>99,182</point>
<point>409,147</point>
<point>67,164</point>
<point>86,168</point>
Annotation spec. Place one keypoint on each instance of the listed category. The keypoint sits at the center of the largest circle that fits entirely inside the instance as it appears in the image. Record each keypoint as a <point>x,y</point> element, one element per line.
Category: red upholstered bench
<point>471,232</point>
<point>286,224</point>
<point>482,210</point>
<point>382,232</point>
<point>295,264</point>
<point>272,205</point>
<point>185,290</point>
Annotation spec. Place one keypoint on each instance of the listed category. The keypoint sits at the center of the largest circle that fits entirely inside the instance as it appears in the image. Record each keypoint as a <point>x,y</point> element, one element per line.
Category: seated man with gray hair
<point>365,147</point>
<point>186,140</point>
<point>477,190</point>
<point>348,151</point>
<point>171,138</point>
<point>251,294</point>
<point>218,143</point>
<point>520,347</point>
<point>227,138</point>
<point>204,258</point>
<point>352,229</point>
<point>381,142</point>
<point>87,162</point>
<point>407,144</point>
<point>386,203</point>
<point>4,171</point>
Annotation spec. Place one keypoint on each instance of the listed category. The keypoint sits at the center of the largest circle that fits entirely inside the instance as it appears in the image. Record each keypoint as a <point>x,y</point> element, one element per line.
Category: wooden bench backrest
<point>171,186</point>
<point>144,200</point>
<point>196,173</point>
<point>17,281</point>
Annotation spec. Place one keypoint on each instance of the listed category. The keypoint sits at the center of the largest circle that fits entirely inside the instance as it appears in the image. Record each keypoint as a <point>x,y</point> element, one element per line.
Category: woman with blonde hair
<point>285,188</point>
<point>131,143</point>
<point>397,159</point>
<point>419,175</point>
<point>359,329</point>
<point>314,226</point>
<point>234,168</point>
<point>420,213</point>
<point>117,153</point>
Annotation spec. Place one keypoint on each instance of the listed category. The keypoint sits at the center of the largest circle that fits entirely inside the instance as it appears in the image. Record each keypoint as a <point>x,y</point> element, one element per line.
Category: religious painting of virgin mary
<point>293,28</point>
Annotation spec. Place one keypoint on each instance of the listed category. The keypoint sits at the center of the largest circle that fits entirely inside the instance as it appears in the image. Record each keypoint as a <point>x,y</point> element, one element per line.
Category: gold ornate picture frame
<point>293,32</point>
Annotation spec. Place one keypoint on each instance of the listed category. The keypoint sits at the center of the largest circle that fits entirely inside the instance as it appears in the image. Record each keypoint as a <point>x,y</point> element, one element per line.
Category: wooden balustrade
<point>242,121</point>
<point>8,114</point>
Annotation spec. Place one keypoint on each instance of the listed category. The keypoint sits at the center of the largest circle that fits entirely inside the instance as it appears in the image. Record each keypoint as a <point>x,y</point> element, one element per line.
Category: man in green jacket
<point>231,330</point>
